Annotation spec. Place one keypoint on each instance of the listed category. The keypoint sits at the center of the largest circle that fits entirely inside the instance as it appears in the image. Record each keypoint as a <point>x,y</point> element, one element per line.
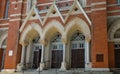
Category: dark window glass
<point>99,58</point>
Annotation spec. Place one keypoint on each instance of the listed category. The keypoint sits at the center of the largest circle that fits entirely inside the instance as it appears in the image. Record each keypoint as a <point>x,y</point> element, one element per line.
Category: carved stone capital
<point>64,40</point>
<point>43,42</point>
<point>24,43</point>
<point>88,38</point>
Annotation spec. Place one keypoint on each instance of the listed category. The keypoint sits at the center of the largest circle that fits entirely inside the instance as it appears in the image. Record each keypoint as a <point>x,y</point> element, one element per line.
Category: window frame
<point>118,2</point>
<point>6,15</point>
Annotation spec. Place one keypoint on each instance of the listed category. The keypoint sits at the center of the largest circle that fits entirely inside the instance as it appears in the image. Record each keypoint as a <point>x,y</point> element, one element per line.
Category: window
<point>99,58</point>
<point>4,42</point>
<point>78,37</point>
<point>117,34</point>
<point>60,46</point>
<point>78,40</point>
<point>118,2</point>
<point>56,42</point>
<point>29,5</point>
<point>74,46</point>
<point>7,8</point>
<point>54,47</point>
<point>82,2</point>
<point>117,46</point>
<point>81,45</point>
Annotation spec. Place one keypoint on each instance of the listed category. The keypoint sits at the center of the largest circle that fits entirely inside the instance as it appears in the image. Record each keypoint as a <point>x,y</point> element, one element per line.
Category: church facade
<point>62,34</point>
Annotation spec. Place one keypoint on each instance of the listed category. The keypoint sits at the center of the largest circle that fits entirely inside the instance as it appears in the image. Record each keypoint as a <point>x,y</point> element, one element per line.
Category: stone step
<point>67,72</point>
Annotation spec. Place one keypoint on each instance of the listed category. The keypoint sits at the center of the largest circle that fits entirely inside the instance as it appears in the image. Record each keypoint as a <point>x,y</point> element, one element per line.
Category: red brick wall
<point>13,36</point>
<point>99,36</point>
<point>111,54</point>
<point>111,1</point>
<point>2,8</point>
<point>12,44</point>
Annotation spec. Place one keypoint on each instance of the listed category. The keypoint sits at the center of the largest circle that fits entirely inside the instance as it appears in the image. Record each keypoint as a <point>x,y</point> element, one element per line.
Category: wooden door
<point>1,58</point>
<point>57,56</point>
<point>36,59</point>
<point>117,58</point>
<point>77,58</point>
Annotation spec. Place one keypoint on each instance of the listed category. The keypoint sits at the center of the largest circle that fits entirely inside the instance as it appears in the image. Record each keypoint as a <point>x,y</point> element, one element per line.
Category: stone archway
<point>77,24</point>
<point>3,42</point>
<point>31,47</point>
<point>49,31</point>
<point>56,51</point>
<point>114,36</point>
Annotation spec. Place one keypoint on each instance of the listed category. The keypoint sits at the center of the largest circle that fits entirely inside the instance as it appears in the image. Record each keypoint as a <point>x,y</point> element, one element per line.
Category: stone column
<point>20,66</point>
<point>87,51</point>
<point>63,64</point>
<point>29,54</point>
<point>42,63</point>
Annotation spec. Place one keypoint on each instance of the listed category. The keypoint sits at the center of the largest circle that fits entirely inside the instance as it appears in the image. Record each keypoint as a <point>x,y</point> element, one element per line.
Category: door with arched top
<point>117,48</point>
<point>77,50</point>
<point>117,55</point>
<point>37,51</point>
<point>57,52</point>
<point>3,53</point>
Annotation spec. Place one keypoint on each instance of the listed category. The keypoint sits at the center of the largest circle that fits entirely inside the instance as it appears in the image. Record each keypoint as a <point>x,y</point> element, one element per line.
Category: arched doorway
<point>57,51</point>
<point>117,48</point>
<point>77,50</point>
<point>36,53</point>
<point>3,53</point>
<point>31,50</point>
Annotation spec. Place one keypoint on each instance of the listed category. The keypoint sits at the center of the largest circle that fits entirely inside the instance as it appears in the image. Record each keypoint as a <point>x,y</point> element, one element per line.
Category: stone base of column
<point>42,66</point>
<point>88,66</point>
<point>63,66</point>
<point>20,67</point>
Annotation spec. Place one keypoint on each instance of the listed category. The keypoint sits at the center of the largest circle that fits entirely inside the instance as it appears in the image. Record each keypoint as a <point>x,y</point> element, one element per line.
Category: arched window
<point>57,51</point>
<point>4,43</point>
<point>78,40</point>
<point>117,34</point>
<point>56,42</point>
<point>7,8</point>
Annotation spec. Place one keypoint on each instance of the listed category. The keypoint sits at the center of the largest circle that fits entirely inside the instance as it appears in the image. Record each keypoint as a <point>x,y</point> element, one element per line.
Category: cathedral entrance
<point>36,58</point>
<point>2,58</point>
<point>36,55</point>
<point>3,53</point>
<point>57,52</point>
<point>77,50</point>
<point>117,55</point>
<point>117,48</point>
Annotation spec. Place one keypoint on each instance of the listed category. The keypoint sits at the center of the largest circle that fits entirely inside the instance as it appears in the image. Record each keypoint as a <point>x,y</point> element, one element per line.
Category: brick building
<point>64,34</point>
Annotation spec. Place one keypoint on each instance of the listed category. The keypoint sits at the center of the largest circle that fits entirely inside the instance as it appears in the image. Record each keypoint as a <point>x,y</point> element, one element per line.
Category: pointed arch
<point>114,27</point>
<point>3,37</point>
<point>77,24</point>
<point>53,26</point>
<point>34,26</point>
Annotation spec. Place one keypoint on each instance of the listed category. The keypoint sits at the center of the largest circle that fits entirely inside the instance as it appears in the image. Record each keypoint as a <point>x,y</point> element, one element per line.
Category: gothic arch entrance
<point>57,51</point>
<point>77,50</point>
<point>117,48</point>
<point>36,53</point>
<point>2,54</point>
<point>31,49</point>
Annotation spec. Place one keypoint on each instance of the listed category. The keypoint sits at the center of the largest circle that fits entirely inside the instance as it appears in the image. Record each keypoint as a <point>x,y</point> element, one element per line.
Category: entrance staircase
<point>56,71</point>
